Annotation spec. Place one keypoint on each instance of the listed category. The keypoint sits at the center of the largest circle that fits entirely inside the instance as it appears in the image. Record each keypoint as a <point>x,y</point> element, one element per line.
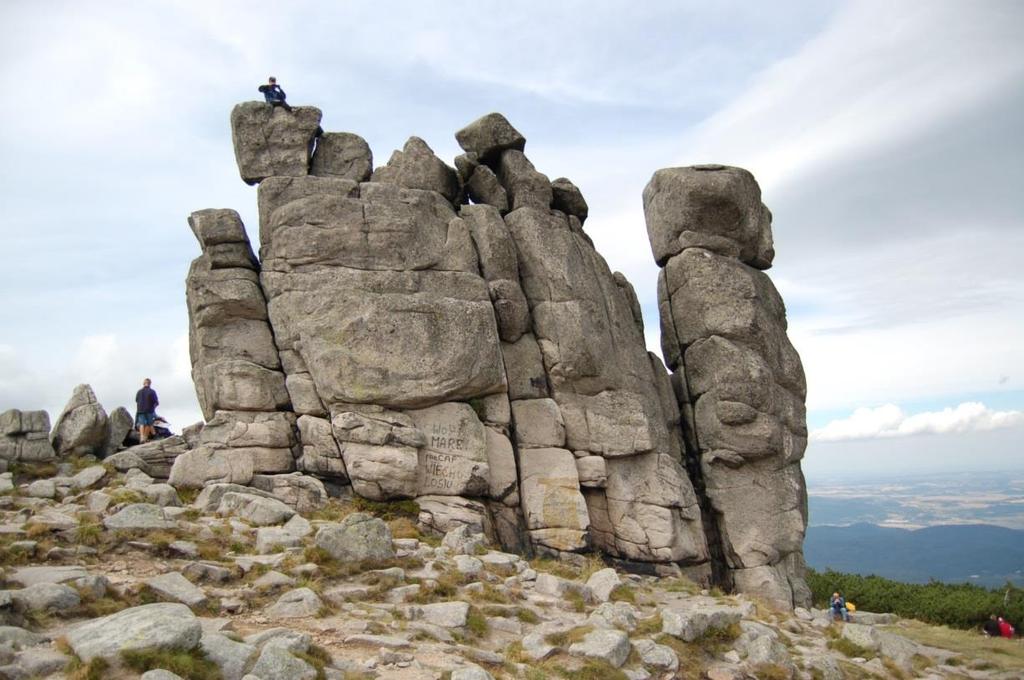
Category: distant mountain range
<point>982,554</point>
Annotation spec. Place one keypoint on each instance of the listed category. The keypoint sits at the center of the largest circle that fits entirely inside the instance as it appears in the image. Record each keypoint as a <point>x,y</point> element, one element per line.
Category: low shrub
<point>957,605</point>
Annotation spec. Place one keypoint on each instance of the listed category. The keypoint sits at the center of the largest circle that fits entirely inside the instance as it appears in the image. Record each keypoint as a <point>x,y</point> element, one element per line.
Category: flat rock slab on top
<point>488,136</point>
<point>715,207</point>
<point>271,141</point>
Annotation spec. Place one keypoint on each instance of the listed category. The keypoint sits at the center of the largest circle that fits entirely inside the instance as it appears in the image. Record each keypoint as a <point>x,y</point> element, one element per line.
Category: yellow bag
<point>851,607</point>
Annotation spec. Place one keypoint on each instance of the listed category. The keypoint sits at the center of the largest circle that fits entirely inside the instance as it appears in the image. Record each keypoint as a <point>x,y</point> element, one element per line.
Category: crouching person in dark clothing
<point>991,627</point>
<point>274,95</point>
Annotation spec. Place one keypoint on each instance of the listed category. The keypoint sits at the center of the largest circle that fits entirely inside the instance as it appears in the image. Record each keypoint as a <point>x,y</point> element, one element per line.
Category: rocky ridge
<point>117,574</point>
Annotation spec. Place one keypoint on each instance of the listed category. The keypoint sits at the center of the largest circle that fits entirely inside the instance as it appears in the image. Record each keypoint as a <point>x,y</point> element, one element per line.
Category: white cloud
<point>113,366</point>
<point>879,73</point>
<point>892,421</point>
<point>897,220</point>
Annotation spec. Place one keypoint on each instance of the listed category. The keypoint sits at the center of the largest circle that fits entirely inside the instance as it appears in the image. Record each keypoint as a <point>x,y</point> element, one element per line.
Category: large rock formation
<point>738,379</point>
<point>82,428</point>
<point>479,358</point>
<point>25,436</point>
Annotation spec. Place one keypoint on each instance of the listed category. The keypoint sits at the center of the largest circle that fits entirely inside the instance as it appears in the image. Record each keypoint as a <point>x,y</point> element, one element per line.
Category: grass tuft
<point>21,469</point>
<point>88,532</point>
<point>126,496</point>
<point>35,530</point>
<point>568,570</point>
<point>490,594</point>
<point>513,653</point>
<point>403,527</point>
<point>894,669</point>
<point>527,615</point>
<point>445,587</point>
<point>770,671</point>
<point>97,669</point>
<point>568,637</point>
<point>589,669</point>
<point>652,625</point>
<point>191,665</point>
<point>679,585</point>
<point>850,649</point>
<point>623,593</point>
<point>476,624</point>
<point>387,510</point>
<point>317,657</point>
<point>14,555</point>
<point>575,599</point>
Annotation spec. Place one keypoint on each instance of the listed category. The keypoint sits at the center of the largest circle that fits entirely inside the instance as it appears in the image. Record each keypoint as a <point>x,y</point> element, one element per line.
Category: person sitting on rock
<point>145,410</point>
<point>838,605</point>
<point>161,428</point>
<point>991,627</point>
<point>274,95</point>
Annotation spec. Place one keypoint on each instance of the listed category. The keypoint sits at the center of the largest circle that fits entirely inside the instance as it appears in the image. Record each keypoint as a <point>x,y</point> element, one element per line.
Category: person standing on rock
<point>146,402</point>
<point>274,95</point>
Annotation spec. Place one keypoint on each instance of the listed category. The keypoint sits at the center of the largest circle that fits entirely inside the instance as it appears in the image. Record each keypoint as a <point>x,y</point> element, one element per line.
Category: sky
<point>886,137</point>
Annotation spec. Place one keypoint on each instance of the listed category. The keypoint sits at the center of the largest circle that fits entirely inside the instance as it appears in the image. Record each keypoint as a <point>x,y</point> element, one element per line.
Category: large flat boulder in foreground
<point>151,626</point>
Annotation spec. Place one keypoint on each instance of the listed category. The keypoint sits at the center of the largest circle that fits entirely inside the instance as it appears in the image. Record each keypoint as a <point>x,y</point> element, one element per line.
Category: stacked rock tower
<point>739,381</point>
<point>450,335</point>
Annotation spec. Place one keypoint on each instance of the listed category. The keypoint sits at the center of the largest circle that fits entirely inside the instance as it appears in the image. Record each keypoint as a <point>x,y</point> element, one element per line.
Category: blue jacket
<point>146,400</point>
<point>272,93</point>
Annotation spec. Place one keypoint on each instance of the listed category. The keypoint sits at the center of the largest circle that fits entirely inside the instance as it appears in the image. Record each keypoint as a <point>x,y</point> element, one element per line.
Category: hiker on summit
<point>838,605</point>
<point>274,95</point>
<point>146,402</point>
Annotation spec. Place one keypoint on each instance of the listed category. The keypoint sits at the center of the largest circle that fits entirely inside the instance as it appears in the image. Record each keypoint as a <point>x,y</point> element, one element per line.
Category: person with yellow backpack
<point>839,607</point>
